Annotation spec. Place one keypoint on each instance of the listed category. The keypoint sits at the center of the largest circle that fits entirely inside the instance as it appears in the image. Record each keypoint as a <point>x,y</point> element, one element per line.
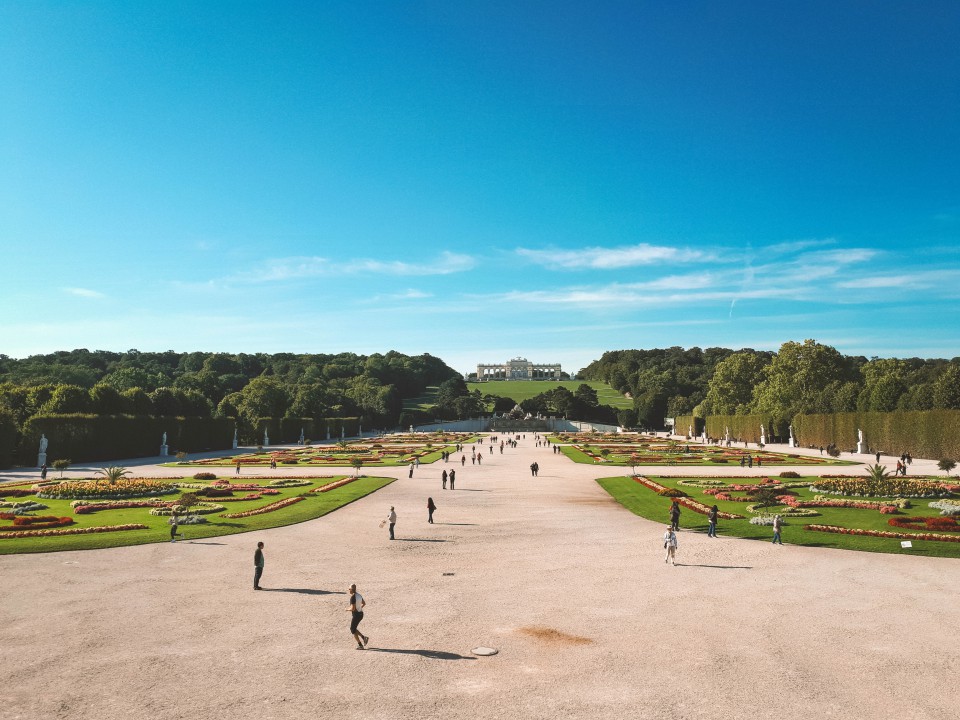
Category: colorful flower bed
<point>685,501</point>
<point>883,533</point>
<point>334,485</point>
<point>36,522</point>
<point>69,531</point>
<point>887,508</point>
<point>930,523</point>
<point>103,489</point>
<point>279,504</point>
<point>890,487</point>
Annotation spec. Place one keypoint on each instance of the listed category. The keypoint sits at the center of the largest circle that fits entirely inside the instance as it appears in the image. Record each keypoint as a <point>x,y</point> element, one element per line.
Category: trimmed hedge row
<point>922,433</point>
<point>8,438</point>
<point>745,427</point>
<point>84,438</point>
<point>287,429</point>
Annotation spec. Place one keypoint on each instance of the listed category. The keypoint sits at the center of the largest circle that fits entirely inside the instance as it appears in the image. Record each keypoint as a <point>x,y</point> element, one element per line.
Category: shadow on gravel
<point>719,567</point>
<point>455,523</point>
<point>197,542</point>
<point>305,591</point>
<point>432,654</point>
<point>419,540</point>
<point>472,490</point>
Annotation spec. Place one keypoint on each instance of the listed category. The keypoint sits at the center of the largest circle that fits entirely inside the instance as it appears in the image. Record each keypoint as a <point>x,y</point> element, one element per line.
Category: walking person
<point>712,517</point>
<point>355,609</point>
<point>430,508</point>
<point>878,457</point>
<point>675,515</point>
<point>670,544</point>
<point>392,519</point>
<point>174,525</point>
<point>463,460</point>
<point>257,566</point>
<point>238,467</point>
<point>533,469</point>
<point>410,474</point>
<point>43,472</point>
<point>444,477</point>
<point>777,526</point>
<point>453,477</point>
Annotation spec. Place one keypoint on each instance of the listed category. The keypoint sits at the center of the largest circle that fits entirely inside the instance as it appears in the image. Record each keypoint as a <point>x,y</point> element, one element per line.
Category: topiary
<point>789,474</point>
<point>205,476</point>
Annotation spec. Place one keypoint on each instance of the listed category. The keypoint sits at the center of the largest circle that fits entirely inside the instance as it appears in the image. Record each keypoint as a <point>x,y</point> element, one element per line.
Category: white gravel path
<point>570,587</point>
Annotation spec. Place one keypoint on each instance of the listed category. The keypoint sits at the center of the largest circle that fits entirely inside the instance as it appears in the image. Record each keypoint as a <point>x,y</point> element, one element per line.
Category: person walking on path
<point>410,474</point>
<point>444,477</point>
<point>238,467</point>
<point>463,460</point>
<point>453,477</point>
<point>533,469</point>
<point>878,457</point>
<point>357,604</point>
<point>430,508</point>
<point>480,458</point>
<point>777,526</point>
<point>257,566</point>
<point>392,519</point>
<point>43,471</point>
<point>174,526</point>
<point>675,515</point>
<point>712,517</point>
<point>670,544</point>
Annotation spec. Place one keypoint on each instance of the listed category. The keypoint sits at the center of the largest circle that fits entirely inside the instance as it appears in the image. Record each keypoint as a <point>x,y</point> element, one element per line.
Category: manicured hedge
<point>287,429</point>
<point>922,433</point>
<point>8,438</point>
<point>744,427</point>
<point>84,438</point>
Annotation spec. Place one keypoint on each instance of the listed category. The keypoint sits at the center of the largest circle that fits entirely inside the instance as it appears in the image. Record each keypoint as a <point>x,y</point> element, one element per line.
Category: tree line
<point>203,384</point>
<point>801,378</point>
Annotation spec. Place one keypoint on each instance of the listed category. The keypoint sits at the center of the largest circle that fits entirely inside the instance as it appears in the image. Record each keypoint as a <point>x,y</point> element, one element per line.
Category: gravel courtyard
<point>567,585</point>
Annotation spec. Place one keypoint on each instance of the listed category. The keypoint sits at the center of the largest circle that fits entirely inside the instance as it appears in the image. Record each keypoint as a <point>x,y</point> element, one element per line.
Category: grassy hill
<point>521,390</point>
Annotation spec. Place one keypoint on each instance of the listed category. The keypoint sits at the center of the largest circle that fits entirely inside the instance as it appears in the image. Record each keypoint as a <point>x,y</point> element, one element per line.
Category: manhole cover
<point>484,651</point>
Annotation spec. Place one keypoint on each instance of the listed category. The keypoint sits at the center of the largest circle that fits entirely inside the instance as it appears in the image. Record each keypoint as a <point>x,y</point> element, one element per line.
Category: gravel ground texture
<point>570,588</point>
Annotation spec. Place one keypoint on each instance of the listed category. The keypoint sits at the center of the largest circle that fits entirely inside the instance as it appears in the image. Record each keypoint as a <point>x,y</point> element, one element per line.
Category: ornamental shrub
<point>672,493</point>
<point>205,476</point>
<point>789,474</point>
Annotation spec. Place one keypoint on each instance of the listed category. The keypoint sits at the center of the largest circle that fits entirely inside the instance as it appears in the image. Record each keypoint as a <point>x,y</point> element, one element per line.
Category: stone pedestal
<point>164,451</point>
<point>860,448</point>
<point>792,442</point>
<point>41,459</point>
<point>234,443</point>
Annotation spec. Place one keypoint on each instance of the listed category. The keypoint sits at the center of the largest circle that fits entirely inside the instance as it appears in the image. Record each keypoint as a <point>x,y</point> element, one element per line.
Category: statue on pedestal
<point>43,443</point>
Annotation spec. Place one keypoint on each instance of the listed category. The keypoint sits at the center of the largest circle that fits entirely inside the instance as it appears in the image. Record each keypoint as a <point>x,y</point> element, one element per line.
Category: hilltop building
<point>518,369</point>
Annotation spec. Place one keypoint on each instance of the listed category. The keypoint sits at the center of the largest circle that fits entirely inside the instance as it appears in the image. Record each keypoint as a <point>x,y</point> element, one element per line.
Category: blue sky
<point>480,180</point>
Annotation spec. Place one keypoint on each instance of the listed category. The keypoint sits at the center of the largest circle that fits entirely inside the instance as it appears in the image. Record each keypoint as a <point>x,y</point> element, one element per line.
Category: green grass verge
<point>158,530</point>
<point>520,390</point>
<point>647,504</point>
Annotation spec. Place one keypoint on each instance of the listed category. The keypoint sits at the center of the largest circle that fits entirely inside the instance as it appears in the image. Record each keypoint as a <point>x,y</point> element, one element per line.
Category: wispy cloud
<point>302,267</point>
<point>794,246</point>
<point>83,292</point>
<point>600,258</point>
<point>915,279</point>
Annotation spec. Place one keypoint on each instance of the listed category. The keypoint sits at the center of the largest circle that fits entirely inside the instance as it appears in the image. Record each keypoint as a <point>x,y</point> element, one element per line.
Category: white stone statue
<point>763,435</point>
<point>266,438</point>
<point>164,441</point>
<point>859,435</point>
<point>43,443</point>
<point>236,440</point>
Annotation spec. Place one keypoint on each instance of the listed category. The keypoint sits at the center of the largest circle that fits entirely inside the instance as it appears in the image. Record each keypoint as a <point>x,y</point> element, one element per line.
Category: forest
<point>801,378</point>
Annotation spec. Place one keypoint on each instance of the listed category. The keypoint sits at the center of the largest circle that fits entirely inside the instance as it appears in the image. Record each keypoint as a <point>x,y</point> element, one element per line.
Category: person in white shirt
<point>392,519</point>
<point>670,544</point>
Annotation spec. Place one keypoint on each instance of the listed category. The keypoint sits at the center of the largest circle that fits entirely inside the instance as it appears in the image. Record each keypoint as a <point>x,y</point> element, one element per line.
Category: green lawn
<point>158,529</point>
<point>520,390</point>
<point>646,503</point>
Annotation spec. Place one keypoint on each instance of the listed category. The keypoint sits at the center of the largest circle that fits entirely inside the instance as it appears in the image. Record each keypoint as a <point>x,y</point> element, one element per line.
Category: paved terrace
<point>570,587</point>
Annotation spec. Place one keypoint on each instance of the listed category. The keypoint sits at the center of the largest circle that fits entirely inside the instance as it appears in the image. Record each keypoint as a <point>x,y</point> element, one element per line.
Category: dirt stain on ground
<point>549,635</point>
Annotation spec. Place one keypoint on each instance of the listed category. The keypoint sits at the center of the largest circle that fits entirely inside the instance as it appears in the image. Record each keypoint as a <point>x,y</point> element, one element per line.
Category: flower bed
<point>103,489</point>
<point>930,523</point>
<point>883,533</point>
<point>891,487</point>
<point>685,501</point>
<point>946,507</point>
<point>69,531</point>
<point>887,508</point>
<point>25,506</point>
<point>334,485</point>
<point>83,507</point>
<point>14,492</point>
<point>200,508</point>
<point>279,504</point>
<point>35,522</point>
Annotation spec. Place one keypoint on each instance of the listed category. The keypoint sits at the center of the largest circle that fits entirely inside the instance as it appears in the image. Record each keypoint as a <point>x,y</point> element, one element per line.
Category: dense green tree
<point>106,400</point>
<point>730,390</point>
<point>946,390</point>
<point>264,397</point>
<point>67,399</point>
<point>137,402</point>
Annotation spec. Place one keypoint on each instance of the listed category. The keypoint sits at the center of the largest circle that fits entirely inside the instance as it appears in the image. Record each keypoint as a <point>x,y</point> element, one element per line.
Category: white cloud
<point>299,267</point>
<point>598,258</point>
<point>83,292</point>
